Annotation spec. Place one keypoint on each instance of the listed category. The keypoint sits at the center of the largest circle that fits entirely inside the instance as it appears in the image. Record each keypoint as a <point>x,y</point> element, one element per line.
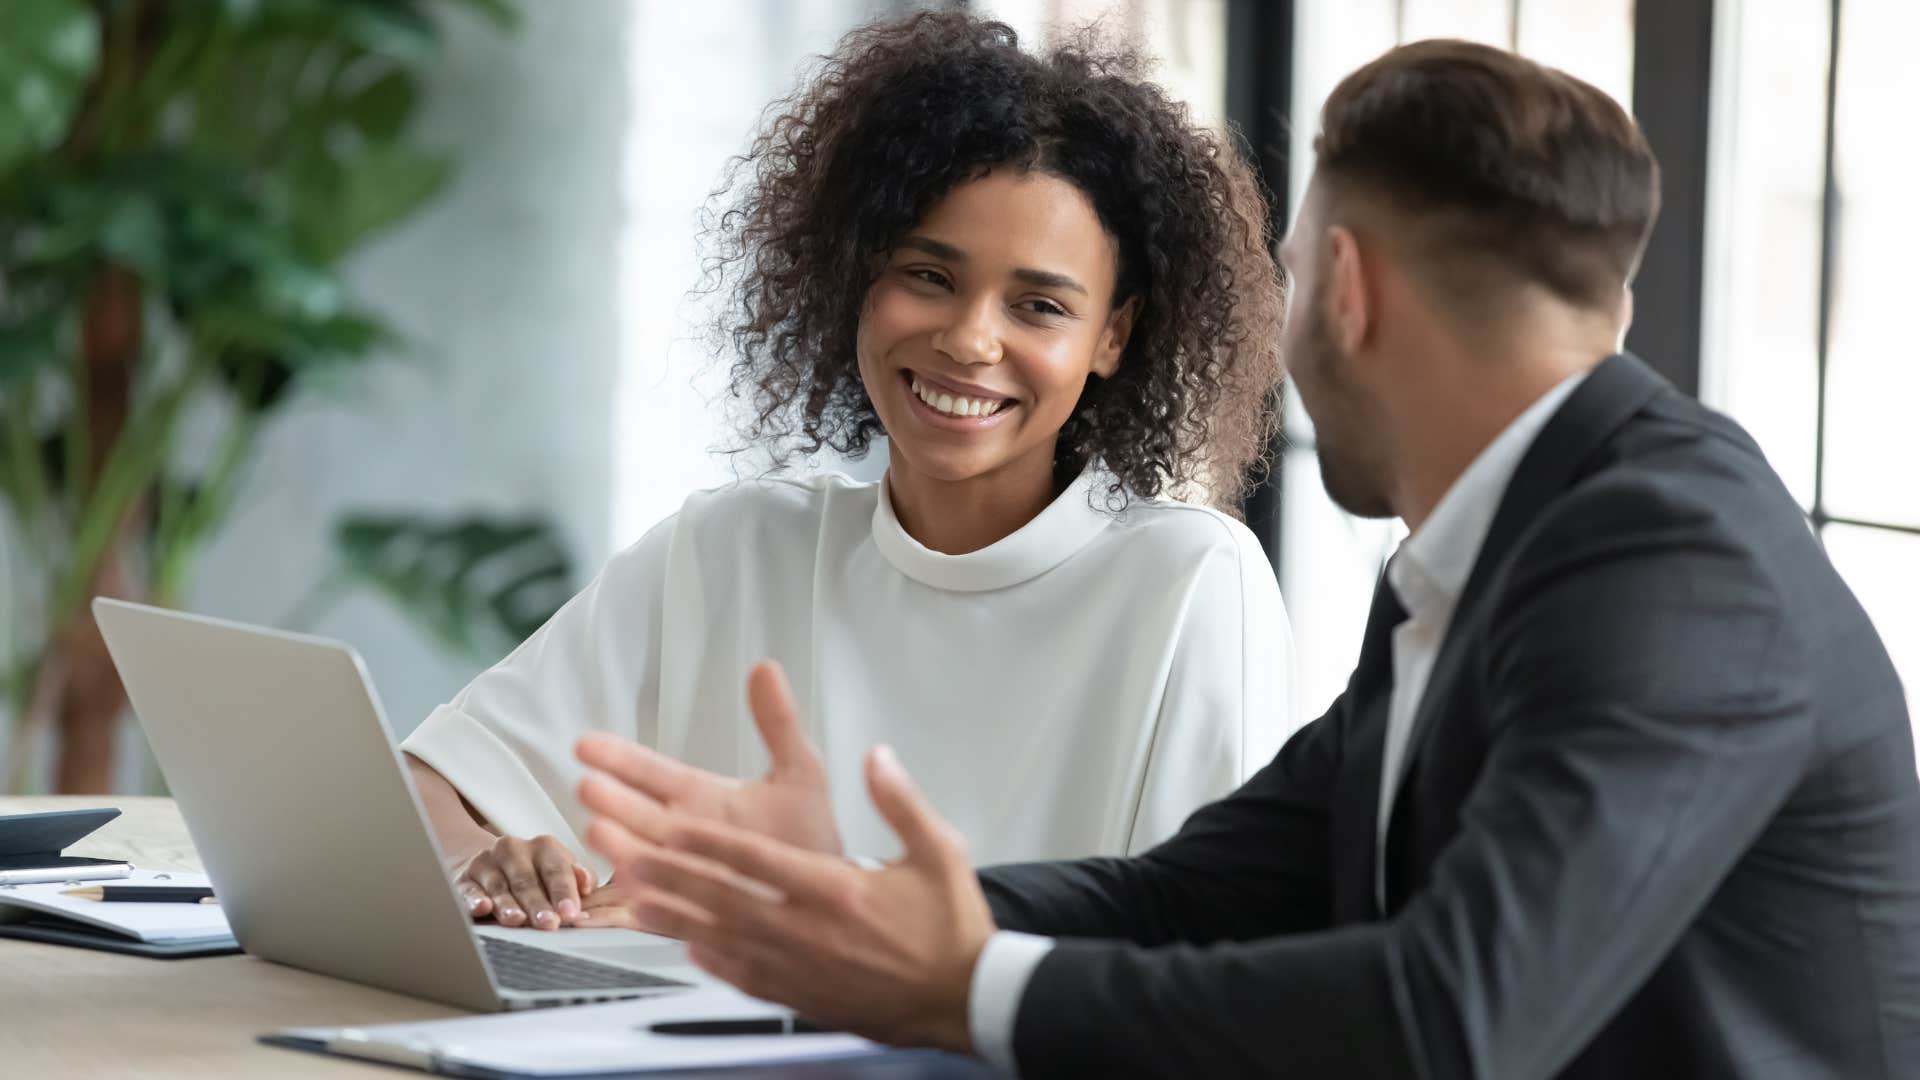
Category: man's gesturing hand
<point>642,788</point>
<point>887,953</point>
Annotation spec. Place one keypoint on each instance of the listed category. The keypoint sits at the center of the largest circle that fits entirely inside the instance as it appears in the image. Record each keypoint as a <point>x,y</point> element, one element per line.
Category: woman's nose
<point>973,337</point>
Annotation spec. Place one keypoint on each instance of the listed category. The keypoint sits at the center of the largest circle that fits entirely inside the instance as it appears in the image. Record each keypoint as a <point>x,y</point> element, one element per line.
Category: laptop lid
<point>280,758</point>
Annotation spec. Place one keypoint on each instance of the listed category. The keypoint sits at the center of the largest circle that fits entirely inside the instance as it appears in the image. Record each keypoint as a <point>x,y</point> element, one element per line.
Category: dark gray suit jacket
<point>1661,817</point>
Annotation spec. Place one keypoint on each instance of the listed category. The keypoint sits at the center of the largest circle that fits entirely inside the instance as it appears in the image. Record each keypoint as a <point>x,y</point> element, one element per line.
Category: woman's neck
<point>956,517</point>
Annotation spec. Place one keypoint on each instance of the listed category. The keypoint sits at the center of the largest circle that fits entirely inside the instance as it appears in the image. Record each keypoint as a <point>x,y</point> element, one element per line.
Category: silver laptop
<point>279,755</point>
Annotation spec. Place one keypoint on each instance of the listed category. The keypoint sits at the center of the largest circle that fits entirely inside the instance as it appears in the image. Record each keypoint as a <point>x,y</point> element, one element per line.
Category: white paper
<point>607,1038</point>
<point>153,923</point>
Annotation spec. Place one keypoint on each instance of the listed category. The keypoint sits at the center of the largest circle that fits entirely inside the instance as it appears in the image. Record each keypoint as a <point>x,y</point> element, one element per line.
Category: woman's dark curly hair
<point>907,109</point>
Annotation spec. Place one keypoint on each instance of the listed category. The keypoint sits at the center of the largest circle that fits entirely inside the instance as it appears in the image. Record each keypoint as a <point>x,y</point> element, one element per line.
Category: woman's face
<point>987,318</point>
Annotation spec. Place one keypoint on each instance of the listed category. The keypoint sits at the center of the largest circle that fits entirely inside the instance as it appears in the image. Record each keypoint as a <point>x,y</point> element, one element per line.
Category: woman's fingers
<point>486,875</point>
<point>479,904</point>
<point>528,886</point>
<point>555,865</point>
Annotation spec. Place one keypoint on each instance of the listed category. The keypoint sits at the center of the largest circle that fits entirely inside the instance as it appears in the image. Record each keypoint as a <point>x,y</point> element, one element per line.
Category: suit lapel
<point>1618,388</point>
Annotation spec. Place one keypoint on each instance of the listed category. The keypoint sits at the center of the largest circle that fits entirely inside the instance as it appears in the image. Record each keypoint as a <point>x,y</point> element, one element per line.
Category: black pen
<point>769,1025</point>
<point>146,894</point>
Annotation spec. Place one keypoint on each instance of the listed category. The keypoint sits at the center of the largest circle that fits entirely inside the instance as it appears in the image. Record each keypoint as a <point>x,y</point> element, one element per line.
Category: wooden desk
<point>67,1012</point>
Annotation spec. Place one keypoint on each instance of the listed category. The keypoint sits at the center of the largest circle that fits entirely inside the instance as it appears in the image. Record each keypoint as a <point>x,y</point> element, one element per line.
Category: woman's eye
<point>931,277</point>
<point>1045,307</point>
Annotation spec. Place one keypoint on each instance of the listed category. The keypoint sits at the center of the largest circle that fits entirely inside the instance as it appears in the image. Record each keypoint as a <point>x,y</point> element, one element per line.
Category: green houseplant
<point>180,181</point>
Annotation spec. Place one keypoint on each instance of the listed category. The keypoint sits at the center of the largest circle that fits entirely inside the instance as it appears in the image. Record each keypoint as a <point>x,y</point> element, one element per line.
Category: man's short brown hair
<point>1499,164</point>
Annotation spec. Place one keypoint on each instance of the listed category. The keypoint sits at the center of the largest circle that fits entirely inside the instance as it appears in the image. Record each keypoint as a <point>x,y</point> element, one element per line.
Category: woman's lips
<point>936,404</point>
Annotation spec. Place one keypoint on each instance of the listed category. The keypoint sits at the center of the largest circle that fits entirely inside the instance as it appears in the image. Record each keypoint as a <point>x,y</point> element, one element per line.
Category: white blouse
<point>1075,689</point>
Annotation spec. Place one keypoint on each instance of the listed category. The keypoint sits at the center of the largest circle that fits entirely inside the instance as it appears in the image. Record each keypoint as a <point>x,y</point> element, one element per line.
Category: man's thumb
<point>774,713</point>
<point>922,834</point>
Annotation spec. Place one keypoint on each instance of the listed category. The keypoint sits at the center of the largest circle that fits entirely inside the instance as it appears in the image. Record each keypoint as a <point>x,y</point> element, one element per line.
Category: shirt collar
<point>1431,568</point>
<point>1068,524</point>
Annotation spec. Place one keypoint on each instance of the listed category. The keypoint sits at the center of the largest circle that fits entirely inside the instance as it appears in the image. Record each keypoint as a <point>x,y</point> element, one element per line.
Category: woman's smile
<point>947,407</point>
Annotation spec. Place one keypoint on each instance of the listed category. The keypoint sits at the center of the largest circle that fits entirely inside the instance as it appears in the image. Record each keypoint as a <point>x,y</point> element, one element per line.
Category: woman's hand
<point>536,883</point>
<point>643,787</point>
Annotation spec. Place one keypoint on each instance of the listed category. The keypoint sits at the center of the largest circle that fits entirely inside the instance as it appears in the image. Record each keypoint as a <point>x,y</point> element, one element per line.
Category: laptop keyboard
<point>530,969</point>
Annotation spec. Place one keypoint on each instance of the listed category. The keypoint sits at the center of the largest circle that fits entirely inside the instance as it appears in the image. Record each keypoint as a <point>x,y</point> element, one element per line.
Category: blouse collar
<point>1068,524</point>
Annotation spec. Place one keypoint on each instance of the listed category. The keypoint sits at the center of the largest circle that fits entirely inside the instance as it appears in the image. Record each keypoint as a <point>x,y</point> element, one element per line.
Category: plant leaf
<point>381,108</point>
<point>379,187</point>
<point>476,584</point>
<point>47,53</point>
<point>501,12</point>
<point>28,343</point>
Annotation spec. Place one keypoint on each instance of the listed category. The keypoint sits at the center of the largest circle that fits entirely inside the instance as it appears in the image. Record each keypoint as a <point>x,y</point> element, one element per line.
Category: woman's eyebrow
<point>1047,279</point>
<point>935,248</point>
<point>1043,278</point>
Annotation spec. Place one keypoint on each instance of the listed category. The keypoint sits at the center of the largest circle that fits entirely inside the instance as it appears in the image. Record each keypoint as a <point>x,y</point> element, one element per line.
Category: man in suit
<point>1622,784</point>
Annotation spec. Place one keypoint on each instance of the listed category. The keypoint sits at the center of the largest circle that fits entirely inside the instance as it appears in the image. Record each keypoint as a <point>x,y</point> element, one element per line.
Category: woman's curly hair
<point>907,109</point>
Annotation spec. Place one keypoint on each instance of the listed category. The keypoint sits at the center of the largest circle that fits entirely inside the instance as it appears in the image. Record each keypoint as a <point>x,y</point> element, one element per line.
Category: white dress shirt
<point>1080,686</point>
<point>1427,575</point>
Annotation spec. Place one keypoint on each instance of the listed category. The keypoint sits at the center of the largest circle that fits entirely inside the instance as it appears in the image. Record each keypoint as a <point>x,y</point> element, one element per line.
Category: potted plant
<point>180,182</point>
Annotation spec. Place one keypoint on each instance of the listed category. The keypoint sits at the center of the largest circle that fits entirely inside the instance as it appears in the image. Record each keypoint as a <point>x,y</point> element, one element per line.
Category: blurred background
<point>373,318</point>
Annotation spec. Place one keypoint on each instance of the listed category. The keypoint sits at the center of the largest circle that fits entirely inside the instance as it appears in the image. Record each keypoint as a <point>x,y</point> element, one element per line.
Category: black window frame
<point>1672,82</point>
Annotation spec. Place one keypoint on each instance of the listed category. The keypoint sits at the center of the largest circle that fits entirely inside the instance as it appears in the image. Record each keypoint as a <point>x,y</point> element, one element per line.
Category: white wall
<point>507,291</point>
<point>703,74</point>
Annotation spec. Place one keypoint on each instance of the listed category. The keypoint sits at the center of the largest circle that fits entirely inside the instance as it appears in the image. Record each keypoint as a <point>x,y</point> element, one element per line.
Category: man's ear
<point>1113,340</point>
<point>1349,300</point>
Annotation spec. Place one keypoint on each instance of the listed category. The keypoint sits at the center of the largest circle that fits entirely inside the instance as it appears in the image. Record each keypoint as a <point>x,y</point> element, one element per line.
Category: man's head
<point>1466,204</point>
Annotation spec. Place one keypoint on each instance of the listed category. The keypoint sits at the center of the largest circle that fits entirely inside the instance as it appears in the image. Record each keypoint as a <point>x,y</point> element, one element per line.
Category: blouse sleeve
<point>1228,703</point>
<point>506,741</point>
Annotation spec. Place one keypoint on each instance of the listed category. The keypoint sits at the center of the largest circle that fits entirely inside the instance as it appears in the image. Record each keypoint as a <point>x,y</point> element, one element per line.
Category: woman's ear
<point>1113,340</point>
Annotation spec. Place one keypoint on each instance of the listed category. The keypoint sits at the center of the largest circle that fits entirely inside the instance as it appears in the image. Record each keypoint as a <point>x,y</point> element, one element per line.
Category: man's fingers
<point>921,831</point>
<point>774,713</point>
<point>639,767</point>
<point>641,814</point>
<point>802,875</point>
<point>614,841</point>
<point>660,913</point>
<point>734,905</point>
<point>739,967</point>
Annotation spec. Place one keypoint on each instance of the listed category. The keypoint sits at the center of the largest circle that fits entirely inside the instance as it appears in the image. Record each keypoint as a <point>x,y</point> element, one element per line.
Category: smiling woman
<point>1051,291</point>
<point>976,345</point>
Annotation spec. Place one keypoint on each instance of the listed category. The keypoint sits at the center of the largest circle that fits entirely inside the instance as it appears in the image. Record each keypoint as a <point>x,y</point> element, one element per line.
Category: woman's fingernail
<point>568,909</point>
<point>582,917</point>
<point>547,920</point>
<point>510,913</point>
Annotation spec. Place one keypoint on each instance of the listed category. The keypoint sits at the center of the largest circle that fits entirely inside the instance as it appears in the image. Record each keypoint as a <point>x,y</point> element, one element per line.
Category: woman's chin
<point>938,467</point>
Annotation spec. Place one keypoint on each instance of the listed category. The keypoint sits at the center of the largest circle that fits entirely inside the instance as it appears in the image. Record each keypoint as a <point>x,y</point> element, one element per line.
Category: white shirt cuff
<point>999,982</point>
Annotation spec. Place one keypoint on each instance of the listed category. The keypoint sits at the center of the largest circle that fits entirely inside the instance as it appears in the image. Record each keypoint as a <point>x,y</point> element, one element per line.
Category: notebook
<point>613,1039</point>
<point>39,912</point>
<point>31,847</point>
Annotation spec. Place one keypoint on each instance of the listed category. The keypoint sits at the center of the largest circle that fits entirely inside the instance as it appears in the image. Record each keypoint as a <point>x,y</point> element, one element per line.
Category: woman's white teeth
<point>954,406</point>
